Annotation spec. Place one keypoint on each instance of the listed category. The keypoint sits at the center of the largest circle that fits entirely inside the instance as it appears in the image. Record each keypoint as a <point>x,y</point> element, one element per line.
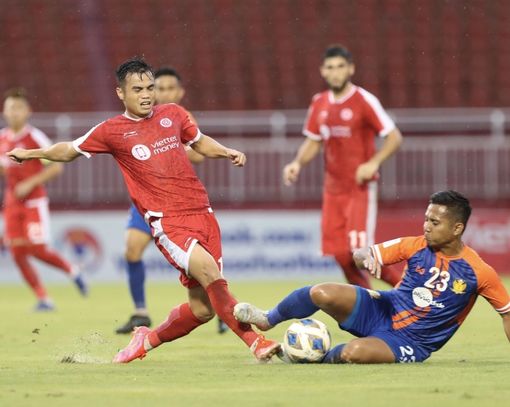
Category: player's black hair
<point>338,50</point>
<point>134,65</point>
<point>457,204</point>
<point>17,92</point>
<point>166,71</point>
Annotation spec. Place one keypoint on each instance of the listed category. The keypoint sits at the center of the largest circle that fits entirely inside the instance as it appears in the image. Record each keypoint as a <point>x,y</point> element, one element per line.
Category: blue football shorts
<point>372,317</point>
<point>136,221</point>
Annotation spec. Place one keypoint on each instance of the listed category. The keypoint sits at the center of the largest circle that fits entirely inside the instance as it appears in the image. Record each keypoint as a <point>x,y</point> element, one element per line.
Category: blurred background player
<point>169,89</point>
<point>26,215</point>
<point>346,119</point>
<point>442,280</point>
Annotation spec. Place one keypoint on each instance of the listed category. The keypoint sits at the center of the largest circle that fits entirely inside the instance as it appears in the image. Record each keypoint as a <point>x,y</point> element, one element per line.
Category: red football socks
<point>223,303</point>
<point>41,252</point>
<point>357,277</point>
<point>20,255</point>
<point>352,274</point>
<point>391,275</point>
<point>180,322</point>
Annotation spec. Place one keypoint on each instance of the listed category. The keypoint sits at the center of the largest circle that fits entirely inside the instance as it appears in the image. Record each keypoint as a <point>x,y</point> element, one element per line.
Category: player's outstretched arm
<point>306,153</point>
<point>193,156</point>
<point>60,152</point>
<point>365,260</point>
<point>209,147</point>
<point>366,171</point>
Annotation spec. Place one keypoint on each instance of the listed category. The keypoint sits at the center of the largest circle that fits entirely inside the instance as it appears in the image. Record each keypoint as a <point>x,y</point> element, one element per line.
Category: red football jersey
<point>348,127</point>
<point>30,137</point>
<point>151,156</point>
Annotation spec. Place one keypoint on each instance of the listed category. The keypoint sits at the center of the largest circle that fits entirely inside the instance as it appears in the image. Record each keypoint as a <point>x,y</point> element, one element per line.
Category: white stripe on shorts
<point>179,256</point>
<point>42,206</point>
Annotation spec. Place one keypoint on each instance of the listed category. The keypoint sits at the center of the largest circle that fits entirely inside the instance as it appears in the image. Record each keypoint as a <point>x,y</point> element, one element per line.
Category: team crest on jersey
<point>165,122</point>
<point>141,152</point>
<point>346,114</point>
<point>459,286</point>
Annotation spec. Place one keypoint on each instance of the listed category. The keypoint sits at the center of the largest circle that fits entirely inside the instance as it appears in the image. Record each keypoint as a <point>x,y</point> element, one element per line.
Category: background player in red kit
<point>346,119</point>
<point>26,215</point>
<point>147,142</point>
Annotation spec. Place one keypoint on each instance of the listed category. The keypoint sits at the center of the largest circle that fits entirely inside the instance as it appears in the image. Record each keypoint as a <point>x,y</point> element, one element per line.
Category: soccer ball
<point>306,341</point>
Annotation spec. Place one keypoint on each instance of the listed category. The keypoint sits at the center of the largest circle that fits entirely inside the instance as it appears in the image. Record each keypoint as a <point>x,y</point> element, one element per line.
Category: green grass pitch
<point>206,369</point>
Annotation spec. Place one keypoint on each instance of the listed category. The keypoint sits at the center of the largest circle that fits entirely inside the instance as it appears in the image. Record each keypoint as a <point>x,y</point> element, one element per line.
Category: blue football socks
<point>297,304</point>
<point>333,355</point>
<point>81,284</point>
<point>136,278</point>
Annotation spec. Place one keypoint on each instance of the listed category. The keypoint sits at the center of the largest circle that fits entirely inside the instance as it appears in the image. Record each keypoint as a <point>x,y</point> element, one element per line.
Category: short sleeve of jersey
<point>492,289</point>
<point>376,116</point>
<point>190,133</point>
<point>40,138</point>
<point>311,128</point>
<point>93,142</point>
<point>397,250</point>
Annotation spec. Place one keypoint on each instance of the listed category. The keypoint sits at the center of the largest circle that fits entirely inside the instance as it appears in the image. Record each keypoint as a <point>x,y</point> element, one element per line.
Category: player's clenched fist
<point>18,155</point>
<point>291,172</point>
<point>365,260</point>
<point>366,172</point>
<point>237,158</point>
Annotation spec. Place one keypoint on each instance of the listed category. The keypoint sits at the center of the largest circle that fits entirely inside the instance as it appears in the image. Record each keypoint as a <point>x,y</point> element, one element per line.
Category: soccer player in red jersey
<point>345,120</point>
<point>169,89</point>
<point>25,204</point>
<point>442,279</point>
<point>147,141</point>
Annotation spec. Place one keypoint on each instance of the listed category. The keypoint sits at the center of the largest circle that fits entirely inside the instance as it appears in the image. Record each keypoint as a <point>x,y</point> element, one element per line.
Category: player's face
<point>168,90</point>
<point>16,112</point>
<point>439,227</point>
<point>337,72</point>
<point>138,94</point>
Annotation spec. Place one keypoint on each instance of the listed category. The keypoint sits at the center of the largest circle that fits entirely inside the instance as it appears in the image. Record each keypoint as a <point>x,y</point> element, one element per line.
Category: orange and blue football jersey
<point>437,292</point>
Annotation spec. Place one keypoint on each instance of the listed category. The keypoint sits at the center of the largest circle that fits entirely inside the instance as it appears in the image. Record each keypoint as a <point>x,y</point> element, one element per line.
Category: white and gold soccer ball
<point>306,341</point>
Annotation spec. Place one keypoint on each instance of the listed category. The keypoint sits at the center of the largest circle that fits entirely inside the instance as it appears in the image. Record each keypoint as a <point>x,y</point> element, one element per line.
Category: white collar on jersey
<point>137,119</point>
<point>20,134</point>
<point>343,98</point>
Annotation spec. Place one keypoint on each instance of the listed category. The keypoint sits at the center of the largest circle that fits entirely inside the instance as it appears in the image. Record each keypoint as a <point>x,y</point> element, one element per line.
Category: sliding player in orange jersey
<point>441,282</point>
<point>345,120</point>
<point>25,206</point>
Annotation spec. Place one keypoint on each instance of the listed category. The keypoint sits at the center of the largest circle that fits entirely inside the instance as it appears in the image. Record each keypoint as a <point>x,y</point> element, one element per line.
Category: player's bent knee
<point>203,313</point>
<point>205,273</point>
<point>367,350</point>
<point>206,316</point>
<point>354,352</point>
<point>322,296</point>
<point>133,254</point>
